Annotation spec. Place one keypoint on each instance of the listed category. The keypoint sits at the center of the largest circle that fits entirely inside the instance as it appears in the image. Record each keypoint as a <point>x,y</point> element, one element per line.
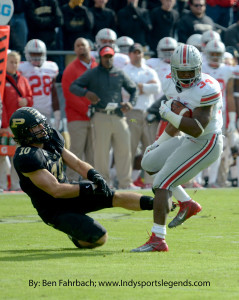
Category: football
<point>180,109</point>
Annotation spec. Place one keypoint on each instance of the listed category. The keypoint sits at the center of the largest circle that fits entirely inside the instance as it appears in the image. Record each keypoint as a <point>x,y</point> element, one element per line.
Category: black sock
<point>146,203</point>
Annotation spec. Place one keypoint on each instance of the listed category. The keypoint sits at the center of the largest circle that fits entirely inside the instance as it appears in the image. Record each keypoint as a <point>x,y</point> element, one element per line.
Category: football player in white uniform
<point>41,75</point>
<point>175,159</point>
<point>123,43</point>
<point>107,36</point>
<point>208,36</point>
<point>161,65</point>
<point>214,66</point>
<point>195,40</point>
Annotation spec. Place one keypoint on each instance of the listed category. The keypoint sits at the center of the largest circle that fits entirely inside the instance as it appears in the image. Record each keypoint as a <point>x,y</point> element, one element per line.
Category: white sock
<point>180,194</point>
<point>159,230</point>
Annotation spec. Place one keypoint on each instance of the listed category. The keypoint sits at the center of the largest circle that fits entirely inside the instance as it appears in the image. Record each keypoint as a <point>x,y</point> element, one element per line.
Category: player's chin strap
<point>199,125</point>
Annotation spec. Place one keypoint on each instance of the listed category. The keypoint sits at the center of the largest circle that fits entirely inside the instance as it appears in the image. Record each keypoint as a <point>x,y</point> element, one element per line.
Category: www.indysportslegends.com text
<point>117,283</point>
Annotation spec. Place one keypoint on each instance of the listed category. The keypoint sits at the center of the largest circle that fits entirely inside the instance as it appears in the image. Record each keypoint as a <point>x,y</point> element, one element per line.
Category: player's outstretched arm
<point>45,181</point>
<point>76,164</point>
<point>87,171</point>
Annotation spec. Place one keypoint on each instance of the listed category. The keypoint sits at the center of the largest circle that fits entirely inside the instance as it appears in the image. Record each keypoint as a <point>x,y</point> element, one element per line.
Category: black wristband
<point>91,173</point>
<point>86,188</point>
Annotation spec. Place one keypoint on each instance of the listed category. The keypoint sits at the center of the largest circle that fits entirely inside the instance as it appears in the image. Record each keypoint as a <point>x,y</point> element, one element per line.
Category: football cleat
<point>152,245</point>
<point>74,241</point>
<point>187,209</point>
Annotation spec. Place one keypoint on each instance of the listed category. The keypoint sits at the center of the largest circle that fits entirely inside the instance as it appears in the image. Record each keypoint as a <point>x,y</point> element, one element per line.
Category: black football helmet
<point>25,118</point>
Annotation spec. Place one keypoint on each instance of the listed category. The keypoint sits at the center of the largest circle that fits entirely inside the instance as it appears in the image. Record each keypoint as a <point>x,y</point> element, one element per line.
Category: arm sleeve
<point>210,99</point>
<point>152,88</point>
<point>145,20</point>
<point>28,93</point>
<point>79,86</point>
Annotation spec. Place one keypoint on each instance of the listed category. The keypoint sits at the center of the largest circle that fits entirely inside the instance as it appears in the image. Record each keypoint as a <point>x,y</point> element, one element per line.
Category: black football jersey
<point>29,159</point>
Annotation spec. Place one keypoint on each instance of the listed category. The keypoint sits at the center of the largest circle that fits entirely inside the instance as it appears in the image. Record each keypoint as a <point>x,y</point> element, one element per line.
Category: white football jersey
<point>162,69</point>
<point>119,61</point>
<point>222,75</point>
<point>143,75</point>
<point>40,79</point>
<point>206,92</point>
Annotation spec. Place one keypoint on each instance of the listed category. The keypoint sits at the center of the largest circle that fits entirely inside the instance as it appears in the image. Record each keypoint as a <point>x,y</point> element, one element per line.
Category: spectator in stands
<point>78,120</point>
<point>196,21</point>
<point>134,22</point>
<point>103,17</point>
<point>181,5</point>
<point>116,5</point>
<point>17,93</point>
<point>164,21</point>
<point>78,21</point>
<point>43,19</point>
<point>18,27</point>
<point>231,36</point>
<point>152,4</point>
<point>221,11</point>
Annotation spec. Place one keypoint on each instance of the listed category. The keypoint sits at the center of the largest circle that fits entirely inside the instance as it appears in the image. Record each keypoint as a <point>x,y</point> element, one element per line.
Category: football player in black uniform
<point>39,163</point>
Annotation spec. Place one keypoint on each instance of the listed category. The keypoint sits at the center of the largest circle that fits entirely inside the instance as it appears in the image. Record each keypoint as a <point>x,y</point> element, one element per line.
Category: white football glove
<point>165,108</point>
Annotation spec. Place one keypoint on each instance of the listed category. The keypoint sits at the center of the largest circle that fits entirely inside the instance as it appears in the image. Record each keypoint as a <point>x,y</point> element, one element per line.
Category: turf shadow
<point>46,254</point>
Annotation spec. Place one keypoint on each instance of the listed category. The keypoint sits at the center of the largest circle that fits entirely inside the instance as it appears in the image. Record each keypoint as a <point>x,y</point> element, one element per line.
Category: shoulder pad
<point>29,159</point>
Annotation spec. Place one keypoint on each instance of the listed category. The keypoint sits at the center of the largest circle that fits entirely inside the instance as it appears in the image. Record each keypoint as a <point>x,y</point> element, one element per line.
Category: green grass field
<point>204,249</point>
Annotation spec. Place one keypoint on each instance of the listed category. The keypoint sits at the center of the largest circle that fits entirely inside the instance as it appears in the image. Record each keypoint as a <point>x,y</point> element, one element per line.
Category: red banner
<point>4,43</point>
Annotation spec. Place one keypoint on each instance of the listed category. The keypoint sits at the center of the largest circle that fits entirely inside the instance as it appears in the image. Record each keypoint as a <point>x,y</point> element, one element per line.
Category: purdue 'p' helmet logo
<point>17,121</point>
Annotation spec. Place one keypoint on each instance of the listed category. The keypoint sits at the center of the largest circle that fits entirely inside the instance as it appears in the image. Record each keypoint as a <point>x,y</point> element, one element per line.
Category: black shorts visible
<point>71,218</point>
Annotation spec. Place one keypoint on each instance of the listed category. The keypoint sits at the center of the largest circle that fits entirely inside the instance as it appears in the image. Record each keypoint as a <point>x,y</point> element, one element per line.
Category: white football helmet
<point>165,48</point>
<point>214,52</point>
<point>208,36</point>
<point>195,40</point>
<point>105,36</point>
<point>186,58</point>
<point>123,43</point>
<point>35,52</point>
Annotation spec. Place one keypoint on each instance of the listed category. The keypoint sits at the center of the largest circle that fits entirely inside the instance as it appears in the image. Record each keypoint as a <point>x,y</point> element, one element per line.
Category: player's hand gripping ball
<point>180,109</point>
